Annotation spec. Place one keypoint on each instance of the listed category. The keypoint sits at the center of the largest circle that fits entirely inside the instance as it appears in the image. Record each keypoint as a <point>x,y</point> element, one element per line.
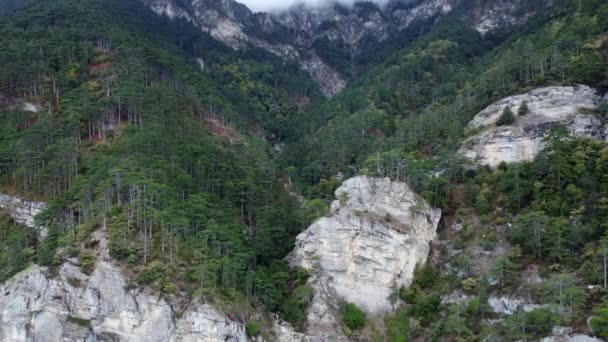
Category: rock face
<point>300,33</point>
<point>512,305</point>
<point>561,334</point>
<point>22,211</point>
<point>292,34</point>
<point>284,332</point>
<point>73,306</point>
<point>378,232</point>
<point>493,15</point>
<point>569,106</point>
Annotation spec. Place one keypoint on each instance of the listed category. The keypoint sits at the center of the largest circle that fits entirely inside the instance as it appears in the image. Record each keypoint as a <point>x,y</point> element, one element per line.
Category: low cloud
<point>273,5</point>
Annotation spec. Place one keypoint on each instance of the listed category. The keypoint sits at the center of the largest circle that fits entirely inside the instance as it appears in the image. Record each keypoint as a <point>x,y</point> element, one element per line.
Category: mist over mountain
<point>277,5</point>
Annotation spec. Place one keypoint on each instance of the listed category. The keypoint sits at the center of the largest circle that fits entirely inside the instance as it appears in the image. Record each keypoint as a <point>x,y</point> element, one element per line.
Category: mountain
<point>192,170</point>
<point>332,43</point>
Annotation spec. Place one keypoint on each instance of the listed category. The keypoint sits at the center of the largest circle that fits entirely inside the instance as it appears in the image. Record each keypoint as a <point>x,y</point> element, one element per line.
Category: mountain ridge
<point>325,42</point>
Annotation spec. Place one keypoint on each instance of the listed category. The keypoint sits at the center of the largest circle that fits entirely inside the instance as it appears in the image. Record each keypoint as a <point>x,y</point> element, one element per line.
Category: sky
<point>269,5</point>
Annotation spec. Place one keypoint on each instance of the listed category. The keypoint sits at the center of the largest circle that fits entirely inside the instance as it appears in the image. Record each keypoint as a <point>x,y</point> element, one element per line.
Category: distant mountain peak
<point>310,35</point>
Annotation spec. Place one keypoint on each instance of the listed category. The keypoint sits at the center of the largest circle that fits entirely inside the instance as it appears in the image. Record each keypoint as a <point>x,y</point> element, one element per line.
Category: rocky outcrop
<point>378,231</point>
<point>73,306</point>
<point>291,34</point>
<point>512,305</point>
<point>284,332</point>
<point>489,16</point>
<point>565,334</point>
<point>569,106</point>
<point>22,211</point>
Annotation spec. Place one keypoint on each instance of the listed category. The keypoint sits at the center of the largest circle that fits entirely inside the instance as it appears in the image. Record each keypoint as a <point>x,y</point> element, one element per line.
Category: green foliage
<point>506,118</point>
<point>397,326</point>
<point>79,321</point>
<point>599,322</point>
<point>505,271</point>
<point>426,308</point>
<point>470,284</point>
<point>134,137</point>
<point>426,277</point>
<point>295,306</point>
<point>87,261</point>
<point>353,317</point>
<point>313,210</point>
<point>48,247</point>
<point>530,325</point>
<point>153,272</point>
<point>523,109</point>
<point>336,53</point>
<point>562,292</point>
<point>253,328</point>
<point>17,247</point>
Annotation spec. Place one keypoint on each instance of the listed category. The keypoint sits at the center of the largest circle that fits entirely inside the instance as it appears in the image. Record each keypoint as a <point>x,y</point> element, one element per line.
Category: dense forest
<point>167,153</point>
<point>203,163</point>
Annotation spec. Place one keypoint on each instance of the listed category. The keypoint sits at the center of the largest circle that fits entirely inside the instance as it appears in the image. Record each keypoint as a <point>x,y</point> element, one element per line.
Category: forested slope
<point>152,129</point>
<point>421,98</point>
<point>406,118</point>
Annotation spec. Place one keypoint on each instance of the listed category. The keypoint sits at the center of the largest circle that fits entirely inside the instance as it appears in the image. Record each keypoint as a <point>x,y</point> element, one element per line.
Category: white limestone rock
<point>74,306</point>
<point>379,230</point>
<point>512,305</point>
<point>493,15</point>
<point>284,332</point>
<point>22,211</point>
<point>504,305</point>
<point>569,106</point>
<point>571,338</point>
<point>31,107</point>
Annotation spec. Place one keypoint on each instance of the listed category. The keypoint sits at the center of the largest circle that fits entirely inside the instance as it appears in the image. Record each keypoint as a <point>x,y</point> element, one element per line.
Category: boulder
<point>569,106</point>
<point>369,246</point>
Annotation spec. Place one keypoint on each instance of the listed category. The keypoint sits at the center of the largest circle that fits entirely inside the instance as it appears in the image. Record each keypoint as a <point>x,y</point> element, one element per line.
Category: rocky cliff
<point>570,106</point>
<point>295,33</point>
<point>37,305</point>
<point>378,231</point>
<point>22,211</point>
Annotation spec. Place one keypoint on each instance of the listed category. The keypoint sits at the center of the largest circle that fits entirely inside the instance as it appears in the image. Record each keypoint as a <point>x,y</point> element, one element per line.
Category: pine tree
<point>523,109</point>
<point>507,117</point>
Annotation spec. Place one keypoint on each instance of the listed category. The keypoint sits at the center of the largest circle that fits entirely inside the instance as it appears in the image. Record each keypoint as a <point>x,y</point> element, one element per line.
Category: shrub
<point>87,261</point>
<point>253,328</point>
<point>294,308</point>
<point>540,322</point>
<point>74,282</point>
<point>523,109</point>
<point>397,327</point>
<point>170,288</point>
<point>353,317</point>
<point>425,277</point>
<point>150,274</point>
<point>507,117</point>
<point>427,308</point>
<point>599,322</point>
<point>489,242</point>
<point>470,284</point>
<point>79,321</point>
<point>410,295</point>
